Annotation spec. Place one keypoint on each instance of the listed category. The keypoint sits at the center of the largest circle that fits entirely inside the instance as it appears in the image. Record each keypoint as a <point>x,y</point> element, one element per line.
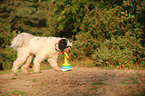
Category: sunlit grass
<point>34,80</point>
<point>99,82</point>
<point>83,63</point>
<point>43,85</point>
<point>19,93</point>
<point>5,71</point>
<point>76,63</point>
<point>26,85</point>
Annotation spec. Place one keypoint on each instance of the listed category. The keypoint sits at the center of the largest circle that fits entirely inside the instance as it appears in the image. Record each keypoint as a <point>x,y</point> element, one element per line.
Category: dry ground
<point>78,82</point>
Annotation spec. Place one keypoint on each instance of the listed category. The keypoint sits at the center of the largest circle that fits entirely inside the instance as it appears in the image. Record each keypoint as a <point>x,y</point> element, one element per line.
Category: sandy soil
<point>78,82</point>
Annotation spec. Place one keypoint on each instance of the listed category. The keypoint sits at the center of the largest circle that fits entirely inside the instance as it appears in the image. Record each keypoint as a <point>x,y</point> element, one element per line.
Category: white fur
<point>42,47</point>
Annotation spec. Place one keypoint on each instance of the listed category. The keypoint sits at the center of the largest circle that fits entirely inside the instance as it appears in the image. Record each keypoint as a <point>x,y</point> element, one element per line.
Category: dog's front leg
<point>38,59</point>
<point>53,62</point>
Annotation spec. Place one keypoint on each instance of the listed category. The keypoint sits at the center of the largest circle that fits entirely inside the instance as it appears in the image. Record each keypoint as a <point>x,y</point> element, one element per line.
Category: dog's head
<point>64,45</point>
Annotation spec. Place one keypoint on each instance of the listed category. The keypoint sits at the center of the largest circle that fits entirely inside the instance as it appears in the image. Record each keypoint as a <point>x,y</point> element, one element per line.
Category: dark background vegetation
<point>109,32</point>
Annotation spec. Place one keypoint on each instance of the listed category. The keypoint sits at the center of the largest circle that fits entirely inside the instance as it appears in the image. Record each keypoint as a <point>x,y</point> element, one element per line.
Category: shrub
<point>83,46</point>
<point>117,51</point>
<point>7,54</point>
<point>7,57</point>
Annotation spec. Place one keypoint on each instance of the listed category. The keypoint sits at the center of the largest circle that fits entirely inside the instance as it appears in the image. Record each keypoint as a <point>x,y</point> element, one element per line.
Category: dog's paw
<point>37,72</point>
<point>25,72</point>
<point>57,69</point>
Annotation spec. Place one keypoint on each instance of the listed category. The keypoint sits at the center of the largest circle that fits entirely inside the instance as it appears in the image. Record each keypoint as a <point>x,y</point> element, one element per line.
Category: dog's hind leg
<point>19,61</point>
<point>26,64</point>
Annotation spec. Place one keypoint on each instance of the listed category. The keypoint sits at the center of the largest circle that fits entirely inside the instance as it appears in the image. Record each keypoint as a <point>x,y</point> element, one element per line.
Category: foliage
<point>89,24</point>
<point>117,51</point>
<point>83,46</point>
<point>27,16</point>
<point>70,14</point>
<point>7,54</point>
<point>101,24</point>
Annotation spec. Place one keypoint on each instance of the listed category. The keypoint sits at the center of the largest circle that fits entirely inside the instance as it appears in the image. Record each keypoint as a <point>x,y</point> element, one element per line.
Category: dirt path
<point>78,82</point>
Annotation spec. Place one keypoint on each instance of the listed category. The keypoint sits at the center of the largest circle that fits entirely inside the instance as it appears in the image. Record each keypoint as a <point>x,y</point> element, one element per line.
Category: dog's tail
<point>21,40</point>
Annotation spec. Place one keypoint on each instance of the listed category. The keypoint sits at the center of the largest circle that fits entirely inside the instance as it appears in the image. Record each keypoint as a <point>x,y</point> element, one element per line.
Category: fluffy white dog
<point>43,48</point>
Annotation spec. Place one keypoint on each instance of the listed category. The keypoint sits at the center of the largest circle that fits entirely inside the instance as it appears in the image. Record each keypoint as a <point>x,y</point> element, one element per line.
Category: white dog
<point>42,47</point>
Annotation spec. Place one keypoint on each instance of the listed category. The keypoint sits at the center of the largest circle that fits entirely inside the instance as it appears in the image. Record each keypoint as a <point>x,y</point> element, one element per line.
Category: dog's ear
<point>62,44</point>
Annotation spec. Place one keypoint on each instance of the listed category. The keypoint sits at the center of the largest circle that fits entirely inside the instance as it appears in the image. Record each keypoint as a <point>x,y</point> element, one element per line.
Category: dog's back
<point>21,40</point>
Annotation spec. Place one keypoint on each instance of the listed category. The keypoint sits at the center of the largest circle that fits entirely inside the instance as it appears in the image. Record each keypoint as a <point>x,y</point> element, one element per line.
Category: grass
<point>5,93</point>
<point>124,82</point>
<point>134,80</point>
<point>26,85</point>
<point>43,85</point>
<point>19,93</point>
<point>113,75</point>
<point>104,90</point>
<point>71,77</point>
<point>82,63</point>
<point>44,66</point>
<point>130,80</point>
<point>96,83</point>
<point>78,63</point>
<point>93,88</point>
<point>5,71</point>
<point>99,82</point>
<point>141,93</point>
<point>34,80</point>
<point>13,78</point>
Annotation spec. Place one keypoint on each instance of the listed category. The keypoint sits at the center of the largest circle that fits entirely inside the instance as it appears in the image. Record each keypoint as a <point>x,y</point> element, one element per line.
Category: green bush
<point>90,24</point>
<point>117,51</point>
<point>83,46</point>
<point>7,54</point>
